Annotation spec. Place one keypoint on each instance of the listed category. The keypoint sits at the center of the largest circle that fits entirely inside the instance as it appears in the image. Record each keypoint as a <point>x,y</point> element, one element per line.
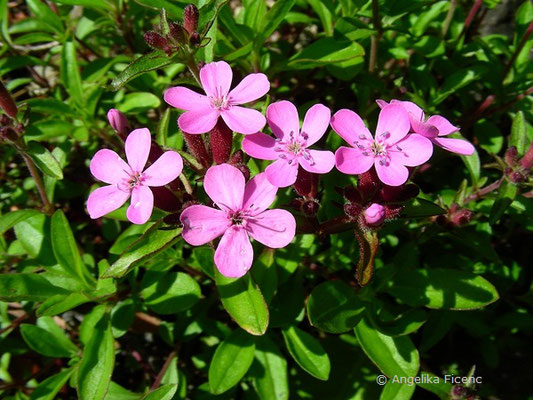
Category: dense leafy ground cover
<point>384,278</point>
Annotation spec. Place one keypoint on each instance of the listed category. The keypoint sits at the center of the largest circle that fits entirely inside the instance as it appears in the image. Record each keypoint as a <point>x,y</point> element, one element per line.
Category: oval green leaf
<point>29,287</point>
<point>165,392</point>
<point>47,389</point>
<point>271,377</point>
<point>170,293</point>
<point>7,221</point>
<point>244,302</point>
<point>149,62</point>
<point>392,355</point>
<point>397,391</point>
<point>47,339</point>
<point>334,307</point>
<point>231,361</point>
<point>307,352</point>
<point>44,160</point>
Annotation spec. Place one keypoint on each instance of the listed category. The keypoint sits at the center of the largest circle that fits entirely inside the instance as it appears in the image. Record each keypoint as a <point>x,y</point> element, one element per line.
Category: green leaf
<point>66,249</point>
<point>169,293</point>
<point>440,388</point>
<point>58,304</point>
<point>45,14</point>
<point>33,234</point>
<point>421,208</point>
<point>244,302</point>
<point>165,392</point>
<point>231,361</point>
<point>403,324</point>
<point>392,355</point>
<point>117,392</point>
<point>162,128</point>
<point>139,102</point>
<point>397,391</point>
<point>47,338</point>
<point>442,288</point>
<point>368,241</point>
<point>149,62</point>
<point>96,367</point>
<point>334,307</point>
<point>149,244</point>
<point>307,352</point>
<point>323,12</point>
<point>29,287</point>
<point>272,19</point>
<point>506,195</point>
<point>48,389</point>
<point>472,163</point>
<point>96,4</point>
<point>264,273</point>
<point>270,377</point>
<point>519,133</point>
<point>7,221</point>
<point>456,81</point>
<point>70,73</point>
<point>325,52</point>
<point>44,160</point>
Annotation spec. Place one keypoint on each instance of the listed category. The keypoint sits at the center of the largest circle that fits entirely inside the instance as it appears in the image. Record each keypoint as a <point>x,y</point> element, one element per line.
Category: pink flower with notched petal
<point>129,179</point>
<point>203,111</point>
<point>290,148</point>
<point>242,212</point>
<point>390,151</point>
<point>434,128</point>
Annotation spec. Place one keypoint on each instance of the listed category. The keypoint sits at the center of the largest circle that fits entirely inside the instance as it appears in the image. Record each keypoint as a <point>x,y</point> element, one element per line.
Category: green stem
<point>47,206</point>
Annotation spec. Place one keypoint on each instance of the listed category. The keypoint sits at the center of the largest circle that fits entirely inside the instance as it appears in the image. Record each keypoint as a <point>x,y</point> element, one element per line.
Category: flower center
<point>378,148</point>
<point>238,218</point>
<point>135,179</point>
<point>294,147</point>
<point>220,100</point>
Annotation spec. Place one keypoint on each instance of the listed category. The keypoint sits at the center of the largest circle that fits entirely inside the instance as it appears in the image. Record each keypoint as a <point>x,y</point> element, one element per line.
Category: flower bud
<point>196,146</point>
<point>527,160</point>
<point>352,210</point>
<point>195,39</point>
<point>221,139</point>
<point>511,156</point>
<point>458,392</point>
<point>310,207</point>
<point>155,40</point>
<point>6,102</point>
<point>375,214</point>
<point>119,122</point>
<point>178,33</point>
<point>306,184</point>
<point>190,18</point>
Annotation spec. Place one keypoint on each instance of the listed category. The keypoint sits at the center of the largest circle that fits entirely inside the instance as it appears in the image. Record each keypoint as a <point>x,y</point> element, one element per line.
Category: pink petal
<point>137,146</point>
<point>316,123</point>
<point>251,88</point>
<point>259,193</point>
<point>118,121</point>
<point>142,204</point>
<point>201,224</point>
<point>393,122</point>
<point>415,112</point>
<point>393,174</point>
<point>216,78</point>
<point>351,161</point>
<point>283,119</point>
<point>107,166</point>
<point>106,199</point>
<point>243,120</point>
<point>321,162</point>
<point>350,126</point>
<point>424,129</point>
<point>442,124</point>
<point>281,173</point>
<point>186,99</point>
<point>382,103</point>
<point>198,121</point>
<point>260,146</point>
<point>413,150</point>
<point>273,228</point>
<point>164,170</point>
<point>458,146</point>
<point>234,254</point>
<point>224,184</point>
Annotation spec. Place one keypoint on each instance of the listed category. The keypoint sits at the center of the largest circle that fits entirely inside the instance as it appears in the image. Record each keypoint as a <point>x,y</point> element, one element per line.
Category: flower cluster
<point>403,139</point>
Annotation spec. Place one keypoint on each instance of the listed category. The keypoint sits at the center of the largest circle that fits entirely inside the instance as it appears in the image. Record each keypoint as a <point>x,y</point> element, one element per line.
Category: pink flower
<point>375,214</point>
<point>433,128</point>
<point>129,179</point>
<point>118,121</point>
<point>242,213</point>
<point>290,149</point>
<point>390,151</point>
<point>203,111</point>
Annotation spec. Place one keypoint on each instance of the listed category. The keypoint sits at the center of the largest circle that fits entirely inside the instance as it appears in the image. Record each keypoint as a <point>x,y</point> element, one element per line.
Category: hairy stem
<point>48,208</point>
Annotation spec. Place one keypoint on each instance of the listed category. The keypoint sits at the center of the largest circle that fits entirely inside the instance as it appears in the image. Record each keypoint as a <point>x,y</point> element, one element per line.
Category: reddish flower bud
<point>6,102</point>
<point>190,18</point>
<point>399,193</point>
<point>178,33</point>
<point>368,184</point>
<point>527,160</point>
<point>155,40</point>
<point>196,146</point>
<point>237,160</point>
<point>306,184</point>
<point>458,392</point>
<point>119,122</point>
<point>393,211</point>
<point>165,199</point>
<point>511,156</point>
<point>461,217</point>
<point>195,39</point>
<point>352,195</point>
<point>375,214</point>
<point>517,177</point>
<point>310,207</point>
<point>352,210</point>
<point>221,139</point>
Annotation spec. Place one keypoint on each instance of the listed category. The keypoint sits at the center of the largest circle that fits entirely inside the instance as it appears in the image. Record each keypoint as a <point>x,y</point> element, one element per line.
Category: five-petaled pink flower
<point>203,111</point>
<point>290,148</point>
<point>434,128</point>
<point>129,179</point>
<point>390,151</point>
<point>242,213</point>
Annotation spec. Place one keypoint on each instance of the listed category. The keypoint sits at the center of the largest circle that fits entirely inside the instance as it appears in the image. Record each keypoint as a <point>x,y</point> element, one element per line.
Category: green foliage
<point>105,309</point>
